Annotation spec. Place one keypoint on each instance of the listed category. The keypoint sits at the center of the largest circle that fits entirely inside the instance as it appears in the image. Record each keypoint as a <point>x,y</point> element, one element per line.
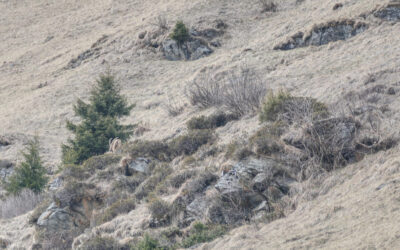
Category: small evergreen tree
<point>31,173</point>
<point>99,122</point>
<point>180,32</point>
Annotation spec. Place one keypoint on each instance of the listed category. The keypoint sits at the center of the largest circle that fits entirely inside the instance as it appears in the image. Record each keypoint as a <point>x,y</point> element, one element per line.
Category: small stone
<point>391,91</point>
<point>142,34</point>
<point>337,6</point>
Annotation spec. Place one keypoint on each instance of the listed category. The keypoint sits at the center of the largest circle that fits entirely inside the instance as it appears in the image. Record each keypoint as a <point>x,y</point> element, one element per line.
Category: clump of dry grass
<point>173,106</point>
<point>19,204</point>
<point>118,207</point>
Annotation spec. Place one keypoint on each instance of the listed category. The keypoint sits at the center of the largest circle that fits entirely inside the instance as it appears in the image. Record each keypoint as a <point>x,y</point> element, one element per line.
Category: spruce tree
<point>180,33</point>
<point>31,173</point>
<point>99,122</point>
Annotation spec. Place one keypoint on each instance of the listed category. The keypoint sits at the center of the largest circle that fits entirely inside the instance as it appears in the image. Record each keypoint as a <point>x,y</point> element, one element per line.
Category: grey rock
<point>197,208</point>
<point>55,218</point>
<point>5,164</point>
<point>261,182</point>
<point>229,183</point>
<point>391,91</point>
<point>191,50</point>
<point>324,34</point>
<point>255,181</point>
<point>389,13</point>
<point>246,181</point>
<point>142,34</point>
<point>55,184</point>
<point>140,165</point>
<point>262,207</point>
<point>206,33</point>
<point>6,169</point>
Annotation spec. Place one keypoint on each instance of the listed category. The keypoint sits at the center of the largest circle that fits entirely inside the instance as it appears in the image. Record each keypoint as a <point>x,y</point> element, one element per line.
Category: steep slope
<point>52,51</point>
<point>358,208</point>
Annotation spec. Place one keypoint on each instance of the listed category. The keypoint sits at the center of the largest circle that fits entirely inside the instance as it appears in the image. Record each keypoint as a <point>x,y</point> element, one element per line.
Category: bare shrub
<point>173,106</point>
<point>244,92</point>
<point>161,22</point>
<point>268,6</point>
<point>240,93</point>
<point>19,204</point>
<point>331,141</point>
<point>377,131</point>
<point>204,91</point>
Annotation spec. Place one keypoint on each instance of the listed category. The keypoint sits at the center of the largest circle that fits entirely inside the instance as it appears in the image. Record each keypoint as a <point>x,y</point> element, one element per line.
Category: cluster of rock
<point>198,46</point>
<point>324,34</point>
<point>390,12</point>
<point>249,190</point>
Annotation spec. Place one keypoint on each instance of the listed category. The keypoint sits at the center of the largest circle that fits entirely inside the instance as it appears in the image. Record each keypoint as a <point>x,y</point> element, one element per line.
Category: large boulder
<point>140,165</point>
<point>55,218</point>
<point>72,207</point>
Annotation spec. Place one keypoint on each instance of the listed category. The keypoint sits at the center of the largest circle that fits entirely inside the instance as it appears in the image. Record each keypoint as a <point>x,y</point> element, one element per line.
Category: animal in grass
<point>124,164</point>
<point>114,145</point>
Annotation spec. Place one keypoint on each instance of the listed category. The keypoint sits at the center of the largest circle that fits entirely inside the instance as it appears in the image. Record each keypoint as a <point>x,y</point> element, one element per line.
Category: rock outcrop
<point>324,34</point>
<point>139,165</point>
<point>6,169</point>
<point>390,12</point>
<point>191,50</point>
<point>55,218</point>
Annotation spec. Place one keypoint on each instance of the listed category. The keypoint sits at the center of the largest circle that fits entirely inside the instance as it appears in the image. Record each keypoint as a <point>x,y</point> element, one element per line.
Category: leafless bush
<point>241,92</point>
<point>19,204</point>
<point>299,111</point>
<point>268,6</point>
<point>174,107</point>
<point>161,22</point>
<point>377,132</point>
<point>205,91</point>
<point>331,142</point>
<point>244,92</point>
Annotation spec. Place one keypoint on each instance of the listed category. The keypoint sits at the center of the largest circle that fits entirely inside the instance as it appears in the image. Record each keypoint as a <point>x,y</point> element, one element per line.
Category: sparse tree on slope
<point>31,173</point>
<point>99,122</point>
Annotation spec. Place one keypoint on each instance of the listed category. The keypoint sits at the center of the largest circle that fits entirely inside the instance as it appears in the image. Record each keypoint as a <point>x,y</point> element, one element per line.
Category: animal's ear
<point>109,141</point>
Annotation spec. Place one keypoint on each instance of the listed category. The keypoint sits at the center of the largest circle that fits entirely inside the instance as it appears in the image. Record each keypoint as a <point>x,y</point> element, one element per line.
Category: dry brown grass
<point>19,204</point>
